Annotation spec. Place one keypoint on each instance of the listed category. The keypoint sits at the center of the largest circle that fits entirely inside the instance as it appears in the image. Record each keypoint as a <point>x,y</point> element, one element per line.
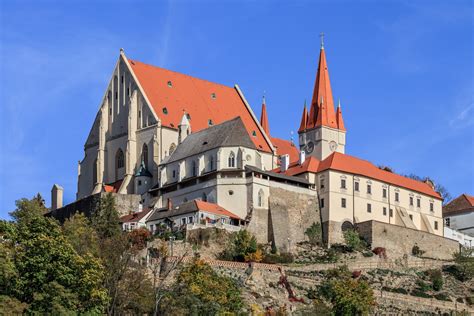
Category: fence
<point>229,264</point>
<point>220,225</point>
<point>432,302</point>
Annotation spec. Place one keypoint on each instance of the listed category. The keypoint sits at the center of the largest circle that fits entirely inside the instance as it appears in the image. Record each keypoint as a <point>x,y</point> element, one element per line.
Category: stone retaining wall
<point>399,241</point>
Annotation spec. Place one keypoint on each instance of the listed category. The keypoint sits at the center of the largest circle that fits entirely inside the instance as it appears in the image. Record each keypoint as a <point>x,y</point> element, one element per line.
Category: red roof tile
<point>113,187</point>
<point>284,147</point>
<point>214,209</point>
<point>469,198</point>
<point>345,163</point>
<point>201,99</point>
<point>264,118</point>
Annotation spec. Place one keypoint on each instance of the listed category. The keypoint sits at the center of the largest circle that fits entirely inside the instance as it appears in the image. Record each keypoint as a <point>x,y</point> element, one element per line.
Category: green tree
<point>81,235</point>
<point>199,290</point>
<point>464,264</point>
<point>240,245</point>
<point>353,240</point>
<point>41,268</point>
<point>106,219</point>
<point>314,234</point>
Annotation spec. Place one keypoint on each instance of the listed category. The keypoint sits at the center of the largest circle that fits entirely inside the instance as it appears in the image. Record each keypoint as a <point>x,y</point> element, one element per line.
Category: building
<point>135,220</point>
<point>459,214</point>
<point>172,139</point>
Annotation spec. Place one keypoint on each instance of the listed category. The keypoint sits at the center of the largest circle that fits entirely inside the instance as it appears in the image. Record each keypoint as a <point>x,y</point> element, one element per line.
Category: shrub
<point>416,251</point>
<point>353,240</point>
<point>368,254</point>
<point>465,263</point>
<point>257,256</point>
<point>423,287</point>
<point>314,234</point>
<point>470,300</point>
<point>436,278</point>
<point>241,244</point>
<point>278,258</point>
<point>420,293</point>
<point>442,297</point>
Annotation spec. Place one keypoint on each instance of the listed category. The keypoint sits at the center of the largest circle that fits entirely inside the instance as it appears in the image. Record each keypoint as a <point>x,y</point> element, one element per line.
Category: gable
<point>207,103</point>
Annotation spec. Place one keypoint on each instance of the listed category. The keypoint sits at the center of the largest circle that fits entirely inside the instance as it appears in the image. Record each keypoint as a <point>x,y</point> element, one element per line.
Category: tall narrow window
<point>260,198</point>
<point>356,186</point>
<point>369,189</point>
<point>384,193</point>
<point>436,225</point>
<point>343,183</point>
<point>119,163</point>
<point>231,160</point>
<point>447,221</point>
<point>94,175</point>
<point>211,163</point>
<point>369,208</point>
<point>322,203</point>
<point>204,197</point>
<point>193,166</point>
<point>384,211</point>
<point>145,155</point>
<point>172,148</point>
<point>431,207</point>
<point>343,202</point>
<point>397,197</point>
<point>418,202</point>
<point>411,200</point>
<point>321,183</point>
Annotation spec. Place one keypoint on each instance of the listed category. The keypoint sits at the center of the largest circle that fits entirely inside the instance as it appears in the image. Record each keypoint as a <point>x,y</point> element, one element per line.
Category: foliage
<point>347,296</point>
<point>442,297</point>
<point>420,293</point>
<point>138,237</point>
<point>41,271</point>
<point>423,287</point>
<point>199,290</point>
<point>416,251</point>
<point>241,244</point>
<point>257,256</point>
<point>83,238</point>
<point>436,278</point>
<point>399,290</point>
<point>354,241</point>
<point>106,219</point>
<point>314,234</point>
<point>464,264</point>
<point>438,187</point>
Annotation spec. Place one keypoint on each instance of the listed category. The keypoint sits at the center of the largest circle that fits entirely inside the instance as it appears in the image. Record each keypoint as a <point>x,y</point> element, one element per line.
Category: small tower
<point>143,179</point>
<point>322,132</point>
<point>184,128</point>
<point>56,197</point>
<point>264,118</point>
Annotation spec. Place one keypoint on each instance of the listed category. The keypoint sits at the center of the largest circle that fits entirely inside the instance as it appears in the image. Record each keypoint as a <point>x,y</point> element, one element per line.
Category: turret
<point>184,128</point>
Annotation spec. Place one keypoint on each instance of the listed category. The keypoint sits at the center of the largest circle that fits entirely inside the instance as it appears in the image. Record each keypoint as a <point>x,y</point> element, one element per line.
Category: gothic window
<point>94,175</point>
<point>204,197</point>
<point>172,148</point>
<point>119,162</point>
<point>119,159</point>
<point>145,155</point>
<point>211,163</point>
<point>194,168</point>
<point>232,160</point>
<point>260,198</point>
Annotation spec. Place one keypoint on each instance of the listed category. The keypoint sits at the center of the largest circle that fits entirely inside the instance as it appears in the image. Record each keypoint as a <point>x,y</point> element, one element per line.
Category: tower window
<point>254,133</point>
<point>321,183</point>
<point>260,198</point>
<point>322,203</point>
<point>447,221</point>
<point>231,160</point>
<point>391,212</point>
<point>209,122</point>
<point>411,216</point>
<point>116,95</point>
<point>188,116</point>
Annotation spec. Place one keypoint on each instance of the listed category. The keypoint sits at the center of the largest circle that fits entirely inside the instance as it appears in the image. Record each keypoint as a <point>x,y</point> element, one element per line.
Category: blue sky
<point>402,69</point>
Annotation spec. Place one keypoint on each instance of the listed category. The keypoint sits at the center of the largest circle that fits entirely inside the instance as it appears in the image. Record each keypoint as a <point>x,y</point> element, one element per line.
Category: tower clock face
<point>310,147</point>
<point>333,146</point>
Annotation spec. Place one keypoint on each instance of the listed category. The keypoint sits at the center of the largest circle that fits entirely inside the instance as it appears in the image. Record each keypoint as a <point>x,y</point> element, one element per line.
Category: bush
<point>465,263</point>
<point>416,251</point>
<point>314,234</point>
<point>423,287</point>
<point>420,293</point>
<point>278,258</point>
<point>436,278</point>
<point>470,300</point>
<point>442,297</point>
<point>241,244</point>
<point>353,240</point>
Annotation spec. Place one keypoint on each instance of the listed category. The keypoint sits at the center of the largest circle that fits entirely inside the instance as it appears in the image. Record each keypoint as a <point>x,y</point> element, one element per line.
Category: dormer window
<point>170,84</point>
<point>188,116</point>
<point>210,123</point>
<point>165,110</point>
<point>213,96</point>
<point>254,134</point>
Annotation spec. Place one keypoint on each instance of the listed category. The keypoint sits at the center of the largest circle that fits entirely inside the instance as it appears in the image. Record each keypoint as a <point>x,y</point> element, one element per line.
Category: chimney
<point>170,206</point>
<point>430,182</point>
<point>56,197</point>
<point>285,162</point>
<point>302,157</point>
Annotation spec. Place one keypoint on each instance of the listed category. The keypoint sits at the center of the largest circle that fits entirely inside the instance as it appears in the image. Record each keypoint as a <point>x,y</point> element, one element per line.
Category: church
<point>171,139</point>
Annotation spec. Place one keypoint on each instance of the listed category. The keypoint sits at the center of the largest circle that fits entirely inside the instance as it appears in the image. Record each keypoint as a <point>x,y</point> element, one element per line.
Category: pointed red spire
<point>340,121</point>
<point>322,105</point>
<point>264,119</point>
<point>304,119</point>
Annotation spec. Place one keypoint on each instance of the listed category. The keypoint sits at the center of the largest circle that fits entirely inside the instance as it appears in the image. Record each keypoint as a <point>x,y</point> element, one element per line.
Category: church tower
<point>322,130</point>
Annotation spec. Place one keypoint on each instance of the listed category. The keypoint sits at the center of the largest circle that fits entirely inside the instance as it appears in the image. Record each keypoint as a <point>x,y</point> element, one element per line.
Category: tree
<point>445,195</point>
<point>353,240</point>
<point>464,264</point>
<point>199,290</point>
<point>241,244</point>
<point>81,235</point>
<point>106,219</point>
<point>42,269</point>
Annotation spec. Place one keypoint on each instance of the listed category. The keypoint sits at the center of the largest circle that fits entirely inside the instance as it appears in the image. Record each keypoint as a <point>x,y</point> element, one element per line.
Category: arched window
<point>119,162</point>
<point>260,198</point>
<point>145,155</point>
<point>231,161</point>
<point>204,197</point>
<point>172,148</point>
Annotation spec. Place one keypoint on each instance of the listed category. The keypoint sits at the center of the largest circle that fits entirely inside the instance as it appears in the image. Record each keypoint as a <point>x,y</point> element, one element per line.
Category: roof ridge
<point>180,73</point>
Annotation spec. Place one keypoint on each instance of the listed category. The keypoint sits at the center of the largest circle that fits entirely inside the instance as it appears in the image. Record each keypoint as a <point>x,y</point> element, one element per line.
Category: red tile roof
<point>134,217</point>
<point>345,163</point>
<point>264,118</point>
<point>201,99</point>
<point>113,187</point>
<point>284,147</point>
<point>214,209</point>
<point>469,198</point>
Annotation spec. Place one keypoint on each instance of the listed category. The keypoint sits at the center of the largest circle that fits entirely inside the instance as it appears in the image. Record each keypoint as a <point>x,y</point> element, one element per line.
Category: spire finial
<point>304,102</point>
<point>321,35</point>
<point>263,98</point>
<point>339,103</point>
<point>291,137</point>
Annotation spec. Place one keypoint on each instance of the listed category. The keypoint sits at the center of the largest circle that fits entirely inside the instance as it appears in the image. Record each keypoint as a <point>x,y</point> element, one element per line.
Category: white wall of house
<point>461,222</point>
<point>463,239</point>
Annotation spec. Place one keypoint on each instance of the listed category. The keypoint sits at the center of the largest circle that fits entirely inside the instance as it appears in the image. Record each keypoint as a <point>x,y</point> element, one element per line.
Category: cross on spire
<point>321,35</point>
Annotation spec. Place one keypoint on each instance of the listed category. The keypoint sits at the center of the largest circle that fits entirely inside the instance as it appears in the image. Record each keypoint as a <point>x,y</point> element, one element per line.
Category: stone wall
<point>290,214</point>
<point>399,241</point>
<point>125,203</point>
